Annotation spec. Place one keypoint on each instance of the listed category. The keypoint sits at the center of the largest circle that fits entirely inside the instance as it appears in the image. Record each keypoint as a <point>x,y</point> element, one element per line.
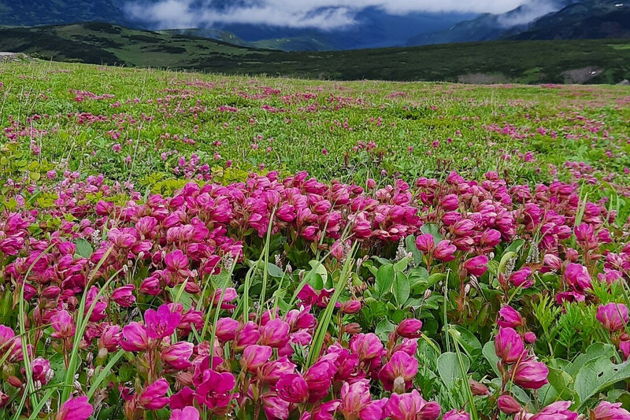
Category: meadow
<point>186,246</point>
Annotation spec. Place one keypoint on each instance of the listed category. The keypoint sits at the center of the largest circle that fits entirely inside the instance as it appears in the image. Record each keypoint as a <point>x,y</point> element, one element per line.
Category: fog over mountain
<point>305,25</point>
<point>317,14</point>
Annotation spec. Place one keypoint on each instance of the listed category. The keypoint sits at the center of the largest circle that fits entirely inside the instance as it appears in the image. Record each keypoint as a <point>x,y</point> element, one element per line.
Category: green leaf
<point>401,265</point>
<point>433,229</point>
<point>491,356</point>
<point>559,388</point>
<point>469,342</point>
<point>274,270</point>
<point>84,248</point>
<point>316,281</point>
<point>449,369</point>
<point>515,246</point>
<point>597,375</point>
<point>594,351</point>
<point>435,278</point>
<point>318,268</point>
<point>384,278</point>
<point>384,328</point>
<point>401,289</point>
<point>410,245</point>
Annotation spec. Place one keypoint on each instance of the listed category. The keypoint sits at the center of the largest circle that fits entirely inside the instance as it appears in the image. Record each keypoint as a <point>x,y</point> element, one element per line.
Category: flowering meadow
<point>185,246</point>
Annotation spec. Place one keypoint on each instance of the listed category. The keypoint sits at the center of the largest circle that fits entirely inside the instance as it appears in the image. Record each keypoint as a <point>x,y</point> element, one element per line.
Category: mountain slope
<point>594,61</point>
<point>102,43</point>
<point>566,19</point>
<point>488,26</point>
<point>375,28</point>
<point>588,19</point>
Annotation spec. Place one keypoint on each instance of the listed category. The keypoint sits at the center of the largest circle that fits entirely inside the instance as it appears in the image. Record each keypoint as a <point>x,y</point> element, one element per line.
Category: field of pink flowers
<point>185,247</point>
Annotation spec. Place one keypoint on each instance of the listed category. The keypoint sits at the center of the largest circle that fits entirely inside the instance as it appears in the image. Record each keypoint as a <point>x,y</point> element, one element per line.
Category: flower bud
<point>508,405</point>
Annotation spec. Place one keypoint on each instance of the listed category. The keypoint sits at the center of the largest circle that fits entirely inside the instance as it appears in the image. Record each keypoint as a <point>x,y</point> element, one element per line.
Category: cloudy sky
<point>322,14</point>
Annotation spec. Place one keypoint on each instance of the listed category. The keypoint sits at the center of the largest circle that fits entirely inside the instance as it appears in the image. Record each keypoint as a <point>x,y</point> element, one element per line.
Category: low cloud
<point>320,14</point>
<point>527,13</point>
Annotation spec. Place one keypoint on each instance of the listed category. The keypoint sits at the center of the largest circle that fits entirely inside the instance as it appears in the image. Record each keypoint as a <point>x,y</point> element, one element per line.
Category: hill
<point>567,19</point>
<point>584,20</point>
<point>593,61</point>
<point>374,28</point>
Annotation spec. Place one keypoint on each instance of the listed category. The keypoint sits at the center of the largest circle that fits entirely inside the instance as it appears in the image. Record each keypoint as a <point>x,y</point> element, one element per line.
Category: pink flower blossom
<point>75,409</point>
<point>613,316</point>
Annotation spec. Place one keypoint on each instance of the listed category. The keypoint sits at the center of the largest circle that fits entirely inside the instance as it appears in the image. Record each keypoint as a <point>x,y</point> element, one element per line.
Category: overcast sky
<point>322,14</point>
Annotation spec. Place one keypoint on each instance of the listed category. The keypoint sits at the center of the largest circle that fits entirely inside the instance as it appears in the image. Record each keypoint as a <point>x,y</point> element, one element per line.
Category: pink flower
<point>509,345</point>
<point>411,406</point>
<point>177,355</point>
<point>182,398</point>
<point>556,411</point>
<point>319,378</point>
<point>490,238</point>
<point>123,296</point>
<point>154,396</point>
<point>214,389</point>
<point>350,307</point>
<point>134,337</point>
<point>509,317</point>
<point>356,402</point>
<point>41,370</point>
<point>508,404</point>
<point>186,413</point>
<point>271,372</point>
<point>110,337</point>
<point>255,356</point>
<point>613,316</point>
<point>456,415</point>
<point>398,372</point>
<point>409,328</point>
<point>476,266</point>
<point>610,411</point>
<point>449,202</point>
<point>444,251</point>
<point>325,411</point>
<point>75,409</point>
<point>247,335</point>
<point>63,324</point>
<point>366,346</point>
<point>161,323</point>
<point>275,407</point>
<point>552,261</point>
<point>576,276</point>
<point>530,373</point>
<point>7,338</point>
<point>425,243</point>
<point>225,297</point>
<point>292,388</point>
<point>521,278</point>
<point>226,329</point>
<point>176,261</point>
<point>274,333</point>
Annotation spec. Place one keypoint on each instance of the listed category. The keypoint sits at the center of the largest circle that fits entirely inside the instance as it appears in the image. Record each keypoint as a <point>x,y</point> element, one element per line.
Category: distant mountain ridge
<point>571,19</point>
<point>539,19</point>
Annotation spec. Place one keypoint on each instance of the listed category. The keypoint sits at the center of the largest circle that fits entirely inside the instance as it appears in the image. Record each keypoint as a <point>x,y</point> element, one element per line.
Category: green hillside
<point>592,61</point>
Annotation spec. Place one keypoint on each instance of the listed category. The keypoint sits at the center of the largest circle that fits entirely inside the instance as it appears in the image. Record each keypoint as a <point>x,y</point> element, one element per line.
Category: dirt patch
<point>582,75</point>
<point>482,78</point>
